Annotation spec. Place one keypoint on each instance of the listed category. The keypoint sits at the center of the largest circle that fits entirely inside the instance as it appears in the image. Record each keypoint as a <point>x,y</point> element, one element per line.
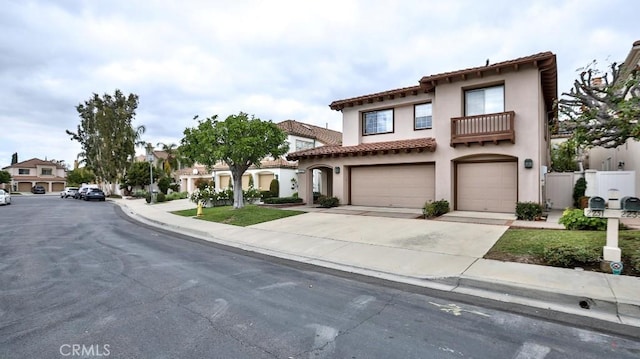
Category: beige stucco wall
<point>523,94</point>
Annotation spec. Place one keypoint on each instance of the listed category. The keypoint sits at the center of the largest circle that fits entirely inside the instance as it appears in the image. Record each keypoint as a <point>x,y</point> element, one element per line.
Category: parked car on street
<point>94,193</point>
<point>80,193</point>
<point>37,190</point>
<point>68,192</point>
<point>5,197</point>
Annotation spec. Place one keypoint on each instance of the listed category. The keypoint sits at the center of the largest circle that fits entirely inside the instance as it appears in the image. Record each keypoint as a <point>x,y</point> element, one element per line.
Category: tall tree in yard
<point>169,163</point>
<point>106,134</point>
<point>604,109</point>
<point>239,141</point>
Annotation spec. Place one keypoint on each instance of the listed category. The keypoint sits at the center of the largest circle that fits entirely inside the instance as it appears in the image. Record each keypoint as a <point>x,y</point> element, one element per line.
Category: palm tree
<point>170,162</point>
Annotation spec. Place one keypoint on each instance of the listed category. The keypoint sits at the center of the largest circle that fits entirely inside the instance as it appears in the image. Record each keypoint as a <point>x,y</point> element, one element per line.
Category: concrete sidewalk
<point>438,254</point>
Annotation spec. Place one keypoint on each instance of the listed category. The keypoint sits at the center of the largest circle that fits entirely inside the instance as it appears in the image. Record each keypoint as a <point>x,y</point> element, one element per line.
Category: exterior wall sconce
<point>528,163</point>
<point>336,170</point>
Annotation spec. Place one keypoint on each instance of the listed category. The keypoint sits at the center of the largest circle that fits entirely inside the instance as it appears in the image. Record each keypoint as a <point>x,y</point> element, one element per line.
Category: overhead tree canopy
<point>603,109</point>
<point>80,175</point>
<point>106,134</point>
<point>5,177</point>
<point>239,141</point>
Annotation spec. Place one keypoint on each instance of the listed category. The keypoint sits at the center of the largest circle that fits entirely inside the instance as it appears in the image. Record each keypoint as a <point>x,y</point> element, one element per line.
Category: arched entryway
<point>319,182</point>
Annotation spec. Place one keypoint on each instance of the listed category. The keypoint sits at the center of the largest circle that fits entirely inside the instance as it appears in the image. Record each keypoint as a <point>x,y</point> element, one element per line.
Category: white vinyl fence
<point>559,185</point>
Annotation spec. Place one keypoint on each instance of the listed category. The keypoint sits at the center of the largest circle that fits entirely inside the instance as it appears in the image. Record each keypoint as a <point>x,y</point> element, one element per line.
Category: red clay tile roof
<point>419,144</point>
<point>32,163</point>
<point>544,61</point>
<point>324,135</point>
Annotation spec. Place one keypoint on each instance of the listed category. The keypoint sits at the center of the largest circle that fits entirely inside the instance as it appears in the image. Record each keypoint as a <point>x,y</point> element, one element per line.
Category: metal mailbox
<point>631,204</point>
<point>596,203</point>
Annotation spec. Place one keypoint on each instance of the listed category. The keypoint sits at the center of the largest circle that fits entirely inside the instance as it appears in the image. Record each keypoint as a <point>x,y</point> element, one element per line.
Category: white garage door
<point>408,186</point>
<point>487,187</point>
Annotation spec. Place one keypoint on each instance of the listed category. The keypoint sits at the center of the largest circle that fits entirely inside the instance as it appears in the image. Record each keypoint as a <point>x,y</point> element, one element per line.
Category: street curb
<point>601,315</point>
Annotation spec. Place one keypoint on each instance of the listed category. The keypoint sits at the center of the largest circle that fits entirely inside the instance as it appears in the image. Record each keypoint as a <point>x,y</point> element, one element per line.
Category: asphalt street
<point>80,277</point>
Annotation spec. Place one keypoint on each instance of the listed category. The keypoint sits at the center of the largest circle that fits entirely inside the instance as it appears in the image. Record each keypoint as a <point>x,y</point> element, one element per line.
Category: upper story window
<point>484,100</point>
<point>47,172</point>
<point>23,171</point>
<point>376,122</point>
<point>303,145</point>
<point>423,118</point>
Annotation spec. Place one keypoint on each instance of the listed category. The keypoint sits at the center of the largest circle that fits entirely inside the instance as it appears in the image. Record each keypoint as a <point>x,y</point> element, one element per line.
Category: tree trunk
<point>238,201</point>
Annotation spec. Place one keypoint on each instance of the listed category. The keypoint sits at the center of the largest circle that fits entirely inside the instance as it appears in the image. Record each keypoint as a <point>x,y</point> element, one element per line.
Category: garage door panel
<point>487,187</point>
<point>393,186</point>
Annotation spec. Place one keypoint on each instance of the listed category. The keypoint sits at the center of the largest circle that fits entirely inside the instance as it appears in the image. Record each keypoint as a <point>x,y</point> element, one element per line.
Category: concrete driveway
<point>453,238</point>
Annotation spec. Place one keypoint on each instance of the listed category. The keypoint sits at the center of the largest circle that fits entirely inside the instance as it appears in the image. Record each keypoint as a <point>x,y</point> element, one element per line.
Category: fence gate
<point>559,189</point>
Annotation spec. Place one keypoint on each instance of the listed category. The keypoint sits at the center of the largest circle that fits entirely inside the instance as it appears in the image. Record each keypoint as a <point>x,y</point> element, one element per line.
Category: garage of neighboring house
<point>408,186</point>
<point>487,186</point>
<point>225,182</point>
<point>57,186</point>
<point>264,181</point>
<point>24,186</point>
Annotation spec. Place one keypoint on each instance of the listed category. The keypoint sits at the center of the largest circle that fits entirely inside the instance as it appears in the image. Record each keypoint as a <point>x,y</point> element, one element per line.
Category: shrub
<point>282,200</point>
<point>528,211</point>
<point>251,194</point>
<point>163,184</point>
<point>578,191</point>
<point>140,194</point>
<point>177,195</point>
<point>265,194</point>
<point>274,187</point>
<point>161,197</point>
<point>435,208</point>
<point>574,219</point>
<point>567,256</point>
<point>202,183</point>
<point>175,187</point>
<point>328,202</point>
<point>295,195</point>
<point>634,261</point>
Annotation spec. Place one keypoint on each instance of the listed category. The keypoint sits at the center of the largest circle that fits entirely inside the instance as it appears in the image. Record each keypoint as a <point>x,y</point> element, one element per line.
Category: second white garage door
<point>408,186</point>
<point>487,187</point>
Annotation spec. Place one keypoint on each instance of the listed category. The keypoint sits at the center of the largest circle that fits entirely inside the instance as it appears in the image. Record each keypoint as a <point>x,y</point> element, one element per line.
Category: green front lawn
<point>246,216</point>
<point>528,245</point>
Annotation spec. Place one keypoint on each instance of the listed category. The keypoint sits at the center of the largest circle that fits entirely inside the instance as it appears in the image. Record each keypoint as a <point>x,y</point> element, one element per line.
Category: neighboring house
<point>299,135</point>
<point>625,157</point>
<point>36,172</point>
<point>478,138</point>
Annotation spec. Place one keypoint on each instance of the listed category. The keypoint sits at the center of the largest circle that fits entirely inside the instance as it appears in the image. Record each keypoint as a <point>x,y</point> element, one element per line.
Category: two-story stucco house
<point>300,136</point>
<point>477,137</point>
<point>36,172</point>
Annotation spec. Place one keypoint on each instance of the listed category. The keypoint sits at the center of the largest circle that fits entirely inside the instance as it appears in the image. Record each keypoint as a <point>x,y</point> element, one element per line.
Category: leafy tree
<point>138,175</point>
<point>5,177</point>
<point>14,158</point>
<point>79,176</point>
<point>239,141</point>
<point>602,112</point>
<point>564,156</point>
<point>106,134</point>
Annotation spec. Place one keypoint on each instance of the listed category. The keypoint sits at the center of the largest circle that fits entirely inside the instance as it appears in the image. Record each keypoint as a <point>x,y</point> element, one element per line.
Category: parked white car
<point>68,192</point>
<point>5,197</point>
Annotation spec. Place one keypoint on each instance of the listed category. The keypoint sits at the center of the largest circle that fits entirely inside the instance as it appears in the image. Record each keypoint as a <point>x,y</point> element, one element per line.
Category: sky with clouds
<point>275,59</point>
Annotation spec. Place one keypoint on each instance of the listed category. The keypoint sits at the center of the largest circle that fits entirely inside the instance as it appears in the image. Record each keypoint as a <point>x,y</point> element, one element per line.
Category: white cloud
<point>279,60</point>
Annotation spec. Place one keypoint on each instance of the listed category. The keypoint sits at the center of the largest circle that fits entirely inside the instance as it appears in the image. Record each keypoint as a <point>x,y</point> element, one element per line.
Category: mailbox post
<point>616,209</point>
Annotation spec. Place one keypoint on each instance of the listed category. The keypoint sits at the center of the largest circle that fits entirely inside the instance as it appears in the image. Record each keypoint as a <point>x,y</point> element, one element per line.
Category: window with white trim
<point>376,122</point>
<point>23,171</point>
<point>303,145</point>
<point>423,118</point>
<point>47,172</point>
<point>483,101</point>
